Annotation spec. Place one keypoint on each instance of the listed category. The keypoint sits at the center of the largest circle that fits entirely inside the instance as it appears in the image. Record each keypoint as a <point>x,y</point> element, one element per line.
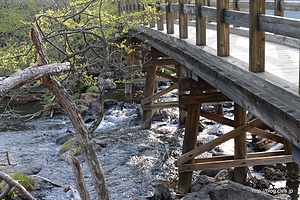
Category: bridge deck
<point>281,60</point>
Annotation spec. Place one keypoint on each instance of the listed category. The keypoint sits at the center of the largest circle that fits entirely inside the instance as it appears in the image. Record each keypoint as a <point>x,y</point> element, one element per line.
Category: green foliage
<point>26,181</point>
<point>93,89</point>
<point>67,146</point>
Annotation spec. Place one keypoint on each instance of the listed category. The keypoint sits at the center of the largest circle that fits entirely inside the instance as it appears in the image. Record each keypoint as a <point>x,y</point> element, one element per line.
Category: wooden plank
<point>209,13</point>
<point>189,9</point>
<point>204,98</point>
<point>249,155</point>
<point>169,18</point>
<point>174,7</point>
<point>188,84</point>
<point>159,94</point>
<point>160,62</point>
<point>160,105</point>
<point>189,143</point>
<point>266,134</point>
<point>223,138</point>
<point>240,144</point>
<point>183,22</point>
<point>216,118</point>
<point>237,18</point>
<point>200,24</point>
<point>236,163</point>
<point>256,37</point>
<point>277,8</point>
<point>280,25</point>
<point>167,76</point>
<point>222,29</point>
<point>290,6</point>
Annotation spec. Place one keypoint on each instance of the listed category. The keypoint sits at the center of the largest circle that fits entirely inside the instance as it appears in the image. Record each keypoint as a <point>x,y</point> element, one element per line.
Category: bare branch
<point>30,74</point>
<point>14,183</point>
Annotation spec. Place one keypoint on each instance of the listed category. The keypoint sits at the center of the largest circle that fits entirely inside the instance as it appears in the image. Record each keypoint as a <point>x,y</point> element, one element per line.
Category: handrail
<point>256,20</point>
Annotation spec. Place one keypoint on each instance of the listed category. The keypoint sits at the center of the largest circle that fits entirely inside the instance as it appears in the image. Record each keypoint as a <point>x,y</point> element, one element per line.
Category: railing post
<point>183,22</point>
<point>222,29</point>
<point>160,20</point>
<point>278,11</point>
<point>236,5</point>
<point>169,18</point>
<point>240,144</point>
<point>200,24</point>
<point>152,23</point>
<point>256,37</point>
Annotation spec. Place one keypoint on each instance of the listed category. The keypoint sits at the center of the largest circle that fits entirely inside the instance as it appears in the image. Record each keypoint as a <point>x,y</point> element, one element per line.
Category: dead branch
<point>12,183</point>
<point>30,74</point>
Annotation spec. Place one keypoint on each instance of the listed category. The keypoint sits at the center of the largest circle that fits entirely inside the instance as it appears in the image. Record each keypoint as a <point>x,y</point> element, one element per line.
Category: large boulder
<point>207,188</point>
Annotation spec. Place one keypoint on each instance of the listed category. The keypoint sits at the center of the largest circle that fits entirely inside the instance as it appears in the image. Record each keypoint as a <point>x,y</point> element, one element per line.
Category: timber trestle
<point>192,95</point>
<point>207,75</point>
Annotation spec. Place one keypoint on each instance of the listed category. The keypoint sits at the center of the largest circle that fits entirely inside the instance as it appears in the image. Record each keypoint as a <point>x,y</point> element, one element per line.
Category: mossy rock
<point>92,89</point>
<point>26,181</point>
<point>67,146</point>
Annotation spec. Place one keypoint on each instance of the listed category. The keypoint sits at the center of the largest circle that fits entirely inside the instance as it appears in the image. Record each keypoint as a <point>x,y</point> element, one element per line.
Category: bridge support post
<point>128,84</point>
<point>240,144</point>
<point>182,113</point>
<point>189,142</point>
<point>149,90</point>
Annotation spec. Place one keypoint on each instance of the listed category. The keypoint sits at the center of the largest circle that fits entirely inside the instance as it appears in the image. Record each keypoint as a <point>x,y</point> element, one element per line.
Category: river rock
<point>62,139</point>
<point>222,190</point>
<point>162,192</point>
<point>109,84</point>
<point>13,124</point>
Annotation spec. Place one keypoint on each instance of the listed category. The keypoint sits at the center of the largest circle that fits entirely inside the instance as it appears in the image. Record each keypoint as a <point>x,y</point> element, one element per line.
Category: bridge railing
<point>256,20</point>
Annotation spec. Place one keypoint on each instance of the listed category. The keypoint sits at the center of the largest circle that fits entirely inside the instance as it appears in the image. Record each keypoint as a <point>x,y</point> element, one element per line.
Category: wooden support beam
<point>266,134</point>
<point>240,144</point>
<point>149,91</point>
<point>167,76</point>
<point>159,94</point>
<point>204,98</point>
<point>160,105</point>
<point>182,113</point>
<point>130,62</point>
<point>222,29</point>
<point>249,155</point>
<point>189,143</point>
<point>188,84</point>
<point>235,163</point>
<point>161,62</point>
<point>292,168</point>
<point>223,138</point>
<point>200,24</point>
<point>217,118</point>
<point>170,16</point>
<point>256,38</point>
<point>183,22</point>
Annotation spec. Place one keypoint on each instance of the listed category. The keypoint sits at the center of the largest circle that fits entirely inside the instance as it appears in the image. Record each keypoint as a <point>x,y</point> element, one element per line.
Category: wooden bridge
<point>215,66</point>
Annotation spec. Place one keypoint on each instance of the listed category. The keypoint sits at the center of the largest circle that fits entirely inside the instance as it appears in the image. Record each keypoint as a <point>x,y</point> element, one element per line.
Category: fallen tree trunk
<point>30,74</point>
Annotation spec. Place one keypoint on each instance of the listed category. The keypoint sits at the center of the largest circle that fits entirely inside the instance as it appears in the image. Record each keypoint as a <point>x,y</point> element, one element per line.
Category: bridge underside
<point>210,78</point>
